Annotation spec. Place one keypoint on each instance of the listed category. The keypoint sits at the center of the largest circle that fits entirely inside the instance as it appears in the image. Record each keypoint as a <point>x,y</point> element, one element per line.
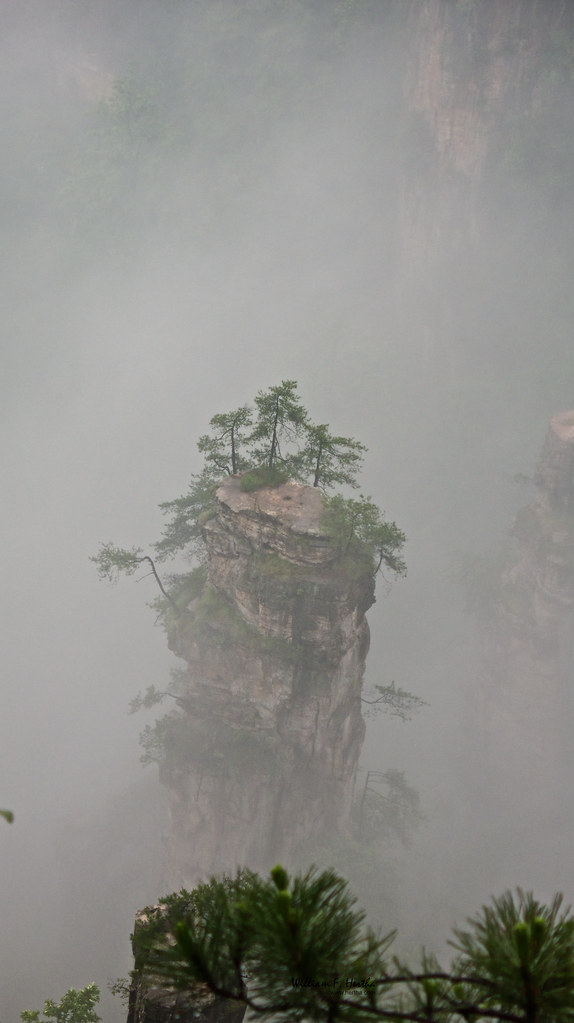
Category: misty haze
<point>201,202</point>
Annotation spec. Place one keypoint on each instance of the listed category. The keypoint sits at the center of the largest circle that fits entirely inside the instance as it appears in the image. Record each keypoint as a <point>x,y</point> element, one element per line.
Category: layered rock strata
<point>263,749</point>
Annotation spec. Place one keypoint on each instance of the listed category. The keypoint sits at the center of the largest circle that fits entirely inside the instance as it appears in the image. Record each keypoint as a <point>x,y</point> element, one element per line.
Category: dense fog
<point>198,201</point>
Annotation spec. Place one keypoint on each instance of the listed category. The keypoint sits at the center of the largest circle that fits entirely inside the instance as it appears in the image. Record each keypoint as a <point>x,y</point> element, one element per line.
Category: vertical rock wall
<point>526,683</point>
<point>261,755</point>
<point>478,74</point>
<point>264,746</point>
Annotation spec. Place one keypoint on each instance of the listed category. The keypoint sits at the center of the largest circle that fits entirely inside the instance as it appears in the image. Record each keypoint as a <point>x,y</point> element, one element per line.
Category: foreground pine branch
<point>298,949</point>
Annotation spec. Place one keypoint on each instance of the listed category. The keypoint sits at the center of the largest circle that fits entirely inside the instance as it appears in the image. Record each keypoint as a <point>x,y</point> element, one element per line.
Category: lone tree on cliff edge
<point>222,449</point>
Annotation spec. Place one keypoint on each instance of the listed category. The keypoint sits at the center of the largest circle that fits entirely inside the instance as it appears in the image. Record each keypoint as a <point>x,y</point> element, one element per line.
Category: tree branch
<point>158,580</point>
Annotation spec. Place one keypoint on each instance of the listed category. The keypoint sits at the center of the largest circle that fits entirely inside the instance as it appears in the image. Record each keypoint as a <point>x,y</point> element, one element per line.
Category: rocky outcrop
<point>261,755</point>
<point>149,1003</point>
<point>525,689</point>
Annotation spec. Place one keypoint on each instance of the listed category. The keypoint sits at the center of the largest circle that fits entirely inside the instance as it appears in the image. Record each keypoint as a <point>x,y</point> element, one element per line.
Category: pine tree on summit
<point>334,461</point>
<point>281,419</point>
<point>222,449</point>
<point>269,444</point>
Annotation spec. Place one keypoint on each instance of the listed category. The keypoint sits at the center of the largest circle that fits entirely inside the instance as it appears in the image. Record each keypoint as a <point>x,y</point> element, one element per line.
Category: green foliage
<point>74,1007</point>
<point>188,513</point>
<point>222,449</point>
<point>358,528</point>
<point>388,808</point>
<point>7,815</point>
<point>171,735</point>
<point>282,444</point>
<point>262,476</point>
<point>150,698</point>
<point>364,540</point>
<point>281,420</point>
<point>285,935</point>
<point>120,988</point>
<point>185,587</point>
<point>525,952</point>
<point>112,561</point>
<point>394,701</point>
<point>297,949</point>
<point>221,748</point>
<point>206,905</point>
<point>332,461</point>
<point>215,615</point>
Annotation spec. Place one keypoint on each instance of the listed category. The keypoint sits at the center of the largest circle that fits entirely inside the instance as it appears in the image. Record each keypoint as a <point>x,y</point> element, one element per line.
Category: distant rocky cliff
<point>484,80</point>
<point>524,700</point>
<point>472,70</point>
<point>263,748</point>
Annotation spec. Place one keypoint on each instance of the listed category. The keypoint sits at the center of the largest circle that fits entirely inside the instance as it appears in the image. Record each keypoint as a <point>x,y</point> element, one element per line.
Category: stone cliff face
<point>482,83</point>
<point>263,748</point>
<point>526,683</point>
<point>472,69</point>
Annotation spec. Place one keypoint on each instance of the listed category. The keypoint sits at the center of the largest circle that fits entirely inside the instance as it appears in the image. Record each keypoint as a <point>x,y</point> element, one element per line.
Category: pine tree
<point>222,449</point>
<point>281,420</point>
<point>332,461</point>
<point>359,528</point>
<point>283,443</point>
<point>297,949</point>
<point>525,952</point>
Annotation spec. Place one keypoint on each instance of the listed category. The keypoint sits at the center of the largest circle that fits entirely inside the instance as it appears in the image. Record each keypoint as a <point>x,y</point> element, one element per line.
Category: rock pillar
<point>261,755</point>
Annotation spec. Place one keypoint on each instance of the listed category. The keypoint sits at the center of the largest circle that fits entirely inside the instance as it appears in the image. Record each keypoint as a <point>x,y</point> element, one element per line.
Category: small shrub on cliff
<point>361,533</point>
<point>222,749</point>
<point>262,476</point>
